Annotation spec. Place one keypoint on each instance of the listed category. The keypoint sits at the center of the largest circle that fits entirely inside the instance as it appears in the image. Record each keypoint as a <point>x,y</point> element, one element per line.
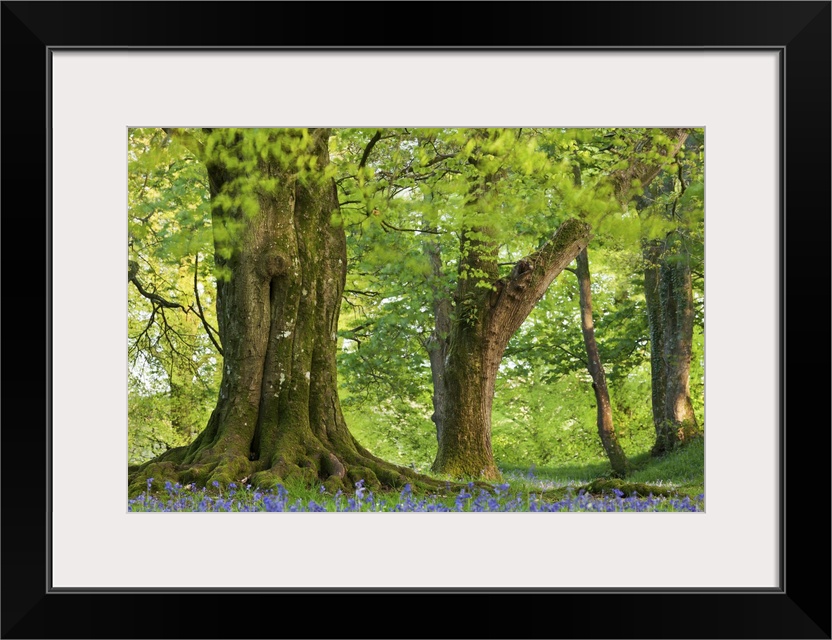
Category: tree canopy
<point>452,243</point>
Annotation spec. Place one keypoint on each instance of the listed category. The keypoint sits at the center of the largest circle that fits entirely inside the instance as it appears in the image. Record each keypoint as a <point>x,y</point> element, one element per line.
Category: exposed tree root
<point>311,465</point>
<point>607,486</point>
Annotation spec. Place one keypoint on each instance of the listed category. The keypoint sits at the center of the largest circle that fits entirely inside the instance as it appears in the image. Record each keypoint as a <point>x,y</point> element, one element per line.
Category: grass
<point>682,471</point>
<point>554,488</point>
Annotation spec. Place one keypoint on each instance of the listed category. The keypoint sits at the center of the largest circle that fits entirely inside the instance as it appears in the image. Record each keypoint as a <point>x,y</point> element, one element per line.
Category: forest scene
<point>412,319</point>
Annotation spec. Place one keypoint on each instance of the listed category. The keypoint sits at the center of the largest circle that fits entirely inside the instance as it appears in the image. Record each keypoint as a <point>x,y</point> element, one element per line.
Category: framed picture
<point>755,76</point>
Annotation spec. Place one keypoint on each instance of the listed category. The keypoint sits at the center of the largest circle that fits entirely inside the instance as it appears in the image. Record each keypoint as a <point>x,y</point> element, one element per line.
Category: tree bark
<point>652,254</point>
<point>668,291</point>
<point>282,267</point>
<point>439,340</point>
<point>606,427</point>
<point>676,295</point>
<point>669,300</point>
<point>485,319</point>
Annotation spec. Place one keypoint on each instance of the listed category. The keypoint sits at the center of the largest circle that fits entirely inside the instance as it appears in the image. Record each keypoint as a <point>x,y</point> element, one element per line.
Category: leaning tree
<point>639,157</point>
<point>475,189</point>
<point>490,174</point>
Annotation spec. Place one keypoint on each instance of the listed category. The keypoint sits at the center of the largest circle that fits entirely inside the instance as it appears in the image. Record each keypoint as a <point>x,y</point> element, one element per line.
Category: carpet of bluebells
<point>188,498</point>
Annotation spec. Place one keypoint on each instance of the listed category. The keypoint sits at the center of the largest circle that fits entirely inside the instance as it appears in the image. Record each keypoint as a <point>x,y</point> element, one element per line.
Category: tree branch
<point>577,357</point>
<point>357,292</point>
<point>390,227</point>
<point>369,148</point>
<point>439,157</point>
<point>516,295</point>
<point>153,297</point>
<point>205,323</point>
<point>644,172</point>
<point>163,303</point>
<point>187,139</point>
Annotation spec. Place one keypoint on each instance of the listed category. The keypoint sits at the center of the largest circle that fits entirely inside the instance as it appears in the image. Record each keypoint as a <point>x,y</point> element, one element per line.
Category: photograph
<point>416,319</point>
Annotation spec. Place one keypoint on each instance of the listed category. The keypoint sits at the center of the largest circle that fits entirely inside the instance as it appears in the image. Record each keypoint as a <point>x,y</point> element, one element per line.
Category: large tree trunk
<point>281,266</point>
<point>485,320</point>
<point>606,427</point>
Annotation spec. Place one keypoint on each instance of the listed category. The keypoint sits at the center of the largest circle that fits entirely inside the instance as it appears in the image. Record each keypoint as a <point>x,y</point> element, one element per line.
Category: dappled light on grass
<point>501,498</point>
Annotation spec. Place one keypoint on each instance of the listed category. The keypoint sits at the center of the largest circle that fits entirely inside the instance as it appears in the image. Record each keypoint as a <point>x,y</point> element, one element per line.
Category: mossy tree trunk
<point>678,422</point>
<point>488,311</point>
<point>668,291</point>
<point>652,253</point>
<point>669,300</point>
<point>281,266</point>
<point>604,421</point>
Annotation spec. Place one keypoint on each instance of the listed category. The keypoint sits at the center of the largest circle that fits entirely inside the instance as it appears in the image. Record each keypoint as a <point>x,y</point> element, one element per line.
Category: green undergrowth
<point>681,472</point>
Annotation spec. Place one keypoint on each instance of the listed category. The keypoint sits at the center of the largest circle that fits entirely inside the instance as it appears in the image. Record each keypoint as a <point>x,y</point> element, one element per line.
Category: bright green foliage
<point>173,366</point>
<point>406,194</point>
<point>419,189</point>
<point>544,382</point>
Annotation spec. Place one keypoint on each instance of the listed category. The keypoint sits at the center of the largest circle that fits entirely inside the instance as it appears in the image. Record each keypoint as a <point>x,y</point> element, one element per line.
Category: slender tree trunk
<point>282,267</point>
<point>485,319</point>
<point>652,252</point>
<point>437,343</point>
<point>606,427</point>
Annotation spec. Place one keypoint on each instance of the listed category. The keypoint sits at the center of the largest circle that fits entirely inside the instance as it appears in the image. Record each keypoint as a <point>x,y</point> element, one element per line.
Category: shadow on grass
<point>683,469</point>
<point>566,473</point>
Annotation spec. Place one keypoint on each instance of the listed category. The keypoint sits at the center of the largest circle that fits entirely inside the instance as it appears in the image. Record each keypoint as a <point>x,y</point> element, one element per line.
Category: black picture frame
<point>799,608</point>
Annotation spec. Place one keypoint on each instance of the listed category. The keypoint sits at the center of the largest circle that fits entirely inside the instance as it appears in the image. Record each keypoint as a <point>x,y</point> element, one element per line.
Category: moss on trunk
<point>281,267</point>
<point>677,420</point>
<point>485,320</point>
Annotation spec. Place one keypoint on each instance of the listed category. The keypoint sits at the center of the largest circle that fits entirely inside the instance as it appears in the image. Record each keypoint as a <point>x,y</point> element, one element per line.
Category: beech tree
<point>487,319</point>
<point>473,317</point>
<point>604,420</point>
<point>677,203</point>
<point>456,234</point>
<point>477,187</point>
<point>645,157</point>
<point>280,262</point>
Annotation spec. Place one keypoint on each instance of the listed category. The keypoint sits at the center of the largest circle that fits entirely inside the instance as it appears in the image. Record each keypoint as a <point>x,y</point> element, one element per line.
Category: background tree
<point>486,174</point>
<point>673,253</point>
<point>605,422</point>
<point>644,156</point>
<point>406,169</point>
